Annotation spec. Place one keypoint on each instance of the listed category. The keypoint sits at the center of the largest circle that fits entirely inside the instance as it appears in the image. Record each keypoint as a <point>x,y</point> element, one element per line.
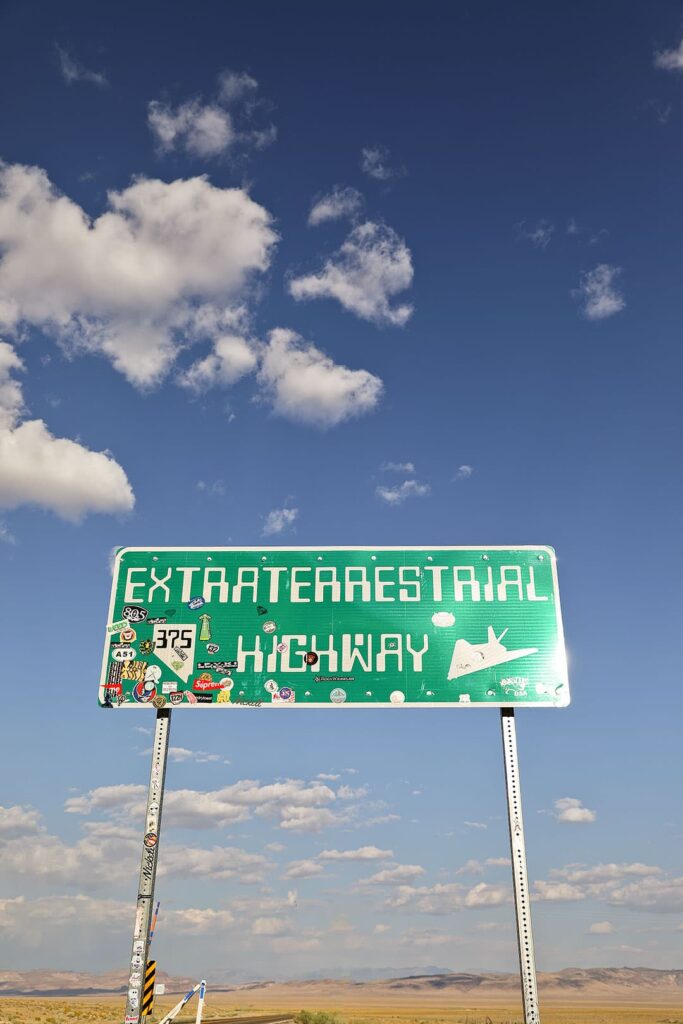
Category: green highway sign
<point>334,626</point>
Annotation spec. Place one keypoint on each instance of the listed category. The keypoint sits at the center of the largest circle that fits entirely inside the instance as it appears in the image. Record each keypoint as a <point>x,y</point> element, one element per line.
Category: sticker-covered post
<point>525,941</point>
<point>148,869</point>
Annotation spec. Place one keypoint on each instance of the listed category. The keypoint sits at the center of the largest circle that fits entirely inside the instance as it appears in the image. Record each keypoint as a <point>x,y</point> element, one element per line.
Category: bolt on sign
<point>334,626</point>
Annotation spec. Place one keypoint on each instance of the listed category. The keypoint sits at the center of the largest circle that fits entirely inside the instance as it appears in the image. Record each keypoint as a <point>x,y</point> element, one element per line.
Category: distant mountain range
<point>384,984</point>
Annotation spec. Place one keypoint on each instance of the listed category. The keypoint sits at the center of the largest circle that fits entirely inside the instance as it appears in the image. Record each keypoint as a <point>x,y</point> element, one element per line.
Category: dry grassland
<point>88,1010</point>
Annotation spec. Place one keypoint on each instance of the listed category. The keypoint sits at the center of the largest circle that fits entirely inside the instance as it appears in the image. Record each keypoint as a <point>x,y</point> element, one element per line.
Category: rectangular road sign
<point>334,626</point>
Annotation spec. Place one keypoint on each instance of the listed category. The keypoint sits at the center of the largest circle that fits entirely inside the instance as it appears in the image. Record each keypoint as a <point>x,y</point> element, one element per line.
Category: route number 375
<point>168,636</point>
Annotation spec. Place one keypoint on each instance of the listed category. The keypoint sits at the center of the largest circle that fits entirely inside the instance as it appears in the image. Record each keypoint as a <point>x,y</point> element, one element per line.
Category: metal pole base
<point>148,869</point>
<point>525,941</point>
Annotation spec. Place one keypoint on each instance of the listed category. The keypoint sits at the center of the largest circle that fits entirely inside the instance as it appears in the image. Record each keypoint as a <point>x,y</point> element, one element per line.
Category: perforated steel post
<point>148,868</point>
<point>525,941</point>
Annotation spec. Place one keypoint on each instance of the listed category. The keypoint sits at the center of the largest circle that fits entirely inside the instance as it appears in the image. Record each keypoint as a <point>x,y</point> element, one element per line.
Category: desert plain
<point>569,997</point>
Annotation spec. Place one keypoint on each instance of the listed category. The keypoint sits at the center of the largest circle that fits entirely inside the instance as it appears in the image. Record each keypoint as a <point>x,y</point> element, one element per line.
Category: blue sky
<point>341,274</point>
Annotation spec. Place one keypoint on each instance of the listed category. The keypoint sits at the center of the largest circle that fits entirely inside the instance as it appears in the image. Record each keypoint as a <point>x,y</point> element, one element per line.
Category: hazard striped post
<point>148,990</point>
<point>200,1002</point>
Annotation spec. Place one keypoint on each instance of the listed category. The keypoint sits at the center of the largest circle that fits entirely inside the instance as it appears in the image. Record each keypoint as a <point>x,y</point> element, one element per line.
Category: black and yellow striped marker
<point>148,990</point>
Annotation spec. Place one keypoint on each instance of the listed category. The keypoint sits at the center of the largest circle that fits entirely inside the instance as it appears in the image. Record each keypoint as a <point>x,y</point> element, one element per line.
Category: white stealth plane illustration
<point>469,657</point>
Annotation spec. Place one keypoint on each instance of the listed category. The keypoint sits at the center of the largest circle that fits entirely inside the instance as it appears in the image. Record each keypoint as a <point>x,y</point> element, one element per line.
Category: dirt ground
<point>89,1010</point>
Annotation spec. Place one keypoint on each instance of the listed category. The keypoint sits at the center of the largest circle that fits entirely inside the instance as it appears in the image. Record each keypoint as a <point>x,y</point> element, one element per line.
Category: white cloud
<point>294,804</point>
<point>670,60</point>
<point>475,824</point>
<point>201,129</point>
<point>72,71</point>
<point>270,926</point>
<point>129,284</point>
<point>374,162</point>
<point>18,821</point>
<point>303,869</point>
<point>327,776</point>
<point>211,129</point>
<point>398,467</point>
<point>446,898</point>
<point>235,85</point>
<point>184,754</point>
<point>539,235</point>
<point>601,928</point>
<point>605,873</point>
<point>233,357</point>
<point>220,862</point>
<point>598,294</point>
<point>570,810</point>
<point>363,853</point>
<point>278,520</point>
<point>408,489</point>
<point>340,202</point>
<point>464,472</point>
<point>372,266</point>
<point>304,384</point>
<point>37,468</point>
<point>397,875</point>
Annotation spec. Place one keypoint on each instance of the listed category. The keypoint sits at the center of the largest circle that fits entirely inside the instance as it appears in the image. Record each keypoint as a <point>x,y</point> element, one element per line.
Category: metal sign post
<point>148,869</point>
<point>525,940</point>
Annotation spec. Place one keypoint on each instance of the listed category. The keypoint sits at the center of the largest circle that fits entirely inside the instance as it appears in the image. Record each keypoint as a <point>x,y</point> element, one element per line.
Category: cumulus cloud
<point>408,489</point>
<point>294,804</point>
<point>50,472</point>
<point>464,472</point>
<point>398,467</point>
<point>372,266</point>
<point>153,271</point>
<point>670,60</point>
<point>598,294</point>
<point>342,201</point>
<point>278,520</point>
<point>363,853</point>
<point>201,129</point>
<point>72,71</point>
<point>374,161</point>
<point>446,898</point>
<point>601,928</point>
<point>570,811</point>
<point>398,875</point>
<point>210,129</point>
<point>304,869</point>
<point>302,383</point>
<point>233,357</point>
<point>17,821</point>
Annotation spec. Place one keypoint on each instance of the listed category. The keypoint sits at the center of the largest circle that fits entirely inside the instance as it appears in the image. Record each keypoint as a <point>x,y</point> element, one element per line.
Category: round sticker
<point>159,701</point>
<point>269,626</point>
<point>226,684</point>
<point>151,840</point>
<point>124,654</point>
<point>338,696</point>
<point>153,674</point>
<point>271,686</point>
<point>282,648</point>
<point>311,658</point>
<point>285,693</point>
<point>397,697</point>
<point>126,636</point>
<point>143,693</point>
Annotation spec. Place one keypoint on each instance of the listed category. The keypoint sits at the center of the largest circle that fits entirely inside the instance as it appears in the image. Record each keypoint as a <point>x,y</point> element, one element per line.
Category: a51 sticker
<point>174,646</point>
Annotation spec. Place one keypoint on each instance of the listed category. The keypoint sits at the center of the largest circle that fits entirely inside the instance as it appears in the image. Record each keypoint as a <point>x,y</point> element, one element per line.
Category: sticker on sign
<point>442,626</point>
